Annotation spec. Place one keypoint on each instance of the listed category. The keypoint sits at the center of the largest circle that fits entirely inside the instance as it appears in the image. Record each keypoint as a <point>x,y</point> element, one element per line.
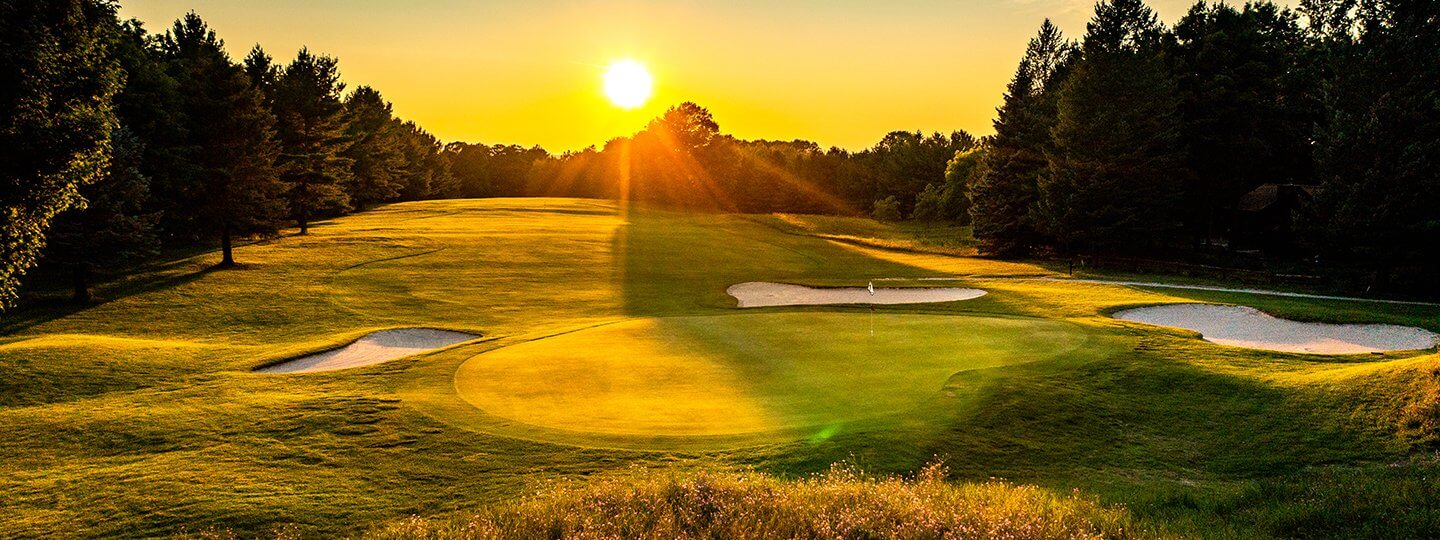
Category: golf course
<point>589,339</point>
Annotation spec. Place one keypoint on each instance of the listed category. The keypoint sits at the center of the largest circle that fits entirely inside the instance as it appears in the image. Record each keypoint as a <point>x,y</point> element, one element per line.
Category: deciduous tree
<point>57,79</point>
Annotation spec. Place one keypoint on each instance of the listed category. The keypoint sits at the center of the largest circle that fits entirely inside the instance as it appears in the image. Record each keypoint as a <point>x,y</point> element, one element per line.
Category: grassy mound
<point>838,504</point>
<point>768,376</point>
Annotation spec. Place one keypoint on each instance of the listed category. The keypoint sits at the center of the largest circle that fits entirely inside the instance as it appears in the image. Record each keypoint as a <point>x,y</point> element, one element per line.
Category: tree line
<point>117,141</point>
<point>1143,139</point>
<point>682,159</point>
<point>1309,134</point>
<point>1305,137</point>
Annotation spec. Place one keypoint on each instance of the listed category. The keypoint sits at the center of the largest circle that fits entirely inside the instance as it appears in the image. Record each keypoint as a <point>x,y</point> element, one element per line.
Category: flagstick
<point>871,287</point>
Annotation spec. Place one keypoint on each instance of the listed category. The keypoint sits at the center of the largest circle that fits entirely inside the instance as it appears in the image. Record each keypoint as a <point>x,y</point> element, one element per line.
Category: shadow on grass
<point>47,294</point>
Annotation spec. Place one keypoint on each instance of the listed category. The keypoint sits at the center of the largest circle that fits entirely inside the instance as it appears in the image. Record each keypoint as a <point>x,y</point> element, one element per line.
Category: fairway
<point>774,373</point>
<point>607,341</point>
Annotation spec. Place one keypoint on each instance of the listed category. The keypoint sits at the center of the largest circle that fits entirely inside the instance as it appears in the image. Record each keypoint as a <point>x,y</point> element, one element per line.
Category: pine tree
<point>1379,151</point>
<point>310,123</point>
<point>375,148</point>
<point>1003,198</point>
<point>426,171</point>
<point>263,73</point>
<point>1245,103</point>
<point>57,81</point>
<point>230,187</point>
<point>1114,172</point>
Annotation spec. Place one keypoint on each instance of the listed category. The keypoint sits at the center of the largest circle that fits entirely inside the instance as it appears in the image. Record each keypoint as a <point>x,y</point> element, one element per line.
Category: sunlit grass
<point>744,506</point>
<point>140,416</point>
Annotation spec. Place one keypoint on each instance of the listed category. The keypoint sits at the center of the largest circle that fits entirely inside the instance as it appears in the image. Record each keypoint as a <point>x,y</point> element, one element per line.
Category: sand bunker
<point>764,294</point>
<point>382,346</point>
<point>1242,326</point>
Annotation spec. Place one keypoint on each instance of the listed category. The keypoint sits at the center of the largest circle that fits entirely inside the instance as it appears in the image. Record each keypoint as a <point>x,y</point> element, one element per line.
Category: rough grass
<point>140,416</point>
<point>745,505</point>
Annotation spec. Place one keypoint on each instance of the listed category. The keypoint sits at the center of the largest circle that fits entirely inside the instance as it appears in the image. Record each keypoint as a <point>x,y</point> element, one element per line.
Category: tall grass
<point>841,503</point>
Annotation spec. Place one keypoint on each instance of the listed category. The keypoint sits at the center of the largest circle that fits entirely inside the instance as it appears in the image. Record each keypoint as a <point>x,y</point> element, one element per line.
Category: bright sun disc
<point>628,84</point>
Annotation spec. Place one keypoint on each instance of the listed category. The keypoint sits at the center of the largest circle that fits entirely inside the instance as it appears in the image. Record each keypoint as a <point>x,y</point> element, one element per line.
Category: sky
<point>838,72</point>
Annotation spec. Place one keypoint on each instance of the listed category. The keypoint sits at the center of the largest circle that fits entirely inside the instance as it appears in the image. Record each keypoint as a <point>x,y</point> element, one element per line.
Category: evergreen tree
<point>1379,151</point>
<point>228,186</point>
<point>1003,197</point>
<point>263,73</point>
<point>149,108</point>
<point>426,171</point>
<point>1115,168</point>
<point>310,122</point>
<point>115,228</point>
<point>1245,102</point>
<point>377,159</point>
<point>57,80</point>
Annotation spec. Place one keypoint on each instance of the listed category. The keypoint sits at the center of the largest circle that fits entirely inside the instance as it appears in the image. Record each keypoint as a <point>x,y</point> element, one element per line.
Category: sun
<point>628,84</point>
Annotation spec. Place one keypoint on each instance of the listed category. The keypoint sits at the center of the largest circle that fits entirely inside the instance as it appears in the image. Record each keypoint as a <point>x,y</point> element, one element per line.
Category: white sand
<point>382,346</point>
<point>764,294</point>
<point>1248,327</point>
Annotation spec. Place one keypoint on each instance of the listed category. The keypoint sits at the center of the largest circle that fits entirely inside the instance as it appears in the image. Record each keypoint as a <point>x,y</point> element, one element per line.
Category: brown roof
<point>1260,198</point>
<point>1265,195</point>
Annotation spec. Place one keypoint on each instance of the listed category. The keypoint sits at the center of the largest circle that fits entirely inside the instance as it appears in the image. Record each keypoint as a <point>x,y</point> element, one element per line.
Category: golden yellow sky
<point>841,73</point>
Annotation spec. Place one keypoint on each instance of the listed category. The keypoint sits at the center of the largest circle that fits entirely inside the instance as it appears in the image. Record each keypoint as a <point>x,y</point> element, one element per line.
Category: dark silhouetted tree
<point>114,229</point>
<point>1116,166</point>
<point>263,73</point>
<point>1003,198</point>
<point>228,185</point>
<point>1247,112</point>
<point>310,123</point>
<point>426,173</point>
<point>375,151</point>
<point>57,79</point>
<point>1378,154</point>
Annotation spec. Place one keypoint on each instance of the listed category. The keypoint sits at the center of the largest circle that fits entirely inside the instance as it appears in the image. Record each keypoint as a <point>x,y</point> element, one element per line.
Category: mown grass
<point>140,416</point>
<point>936,237</point>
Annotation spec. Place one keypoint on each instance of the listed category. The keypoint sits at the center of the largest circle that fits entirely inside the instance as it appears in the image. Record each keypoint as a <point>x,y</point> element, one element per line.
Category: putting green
<point>736,375</point>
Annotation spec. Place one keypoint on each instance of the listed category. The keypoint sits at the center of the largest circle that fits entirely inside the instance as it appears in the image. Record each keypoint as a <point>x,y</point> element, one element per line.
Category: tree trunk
<point>304,224</point>
<point>227,251</point>
<point>81,274</point>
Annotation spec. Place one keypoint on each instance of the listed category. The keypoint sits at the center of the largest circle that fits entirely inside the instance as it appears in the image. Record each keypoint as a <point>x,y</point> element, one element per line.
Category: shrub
<point>887,209</point>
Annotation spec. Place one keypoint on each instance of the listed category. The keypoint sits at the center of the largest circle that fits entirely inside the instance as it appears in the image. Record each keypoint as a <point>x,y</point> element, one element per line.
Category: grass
<point>838,504</point>
<point>769,376</point>
<point>933,237</point>
<point>140,416</point>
